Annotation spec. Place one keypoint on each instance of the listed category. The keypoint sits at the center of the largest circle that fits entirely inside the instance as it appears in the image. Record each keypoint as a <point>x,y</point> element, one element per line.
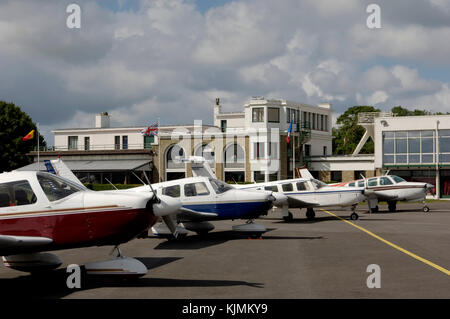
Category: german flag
<point>29,136</point>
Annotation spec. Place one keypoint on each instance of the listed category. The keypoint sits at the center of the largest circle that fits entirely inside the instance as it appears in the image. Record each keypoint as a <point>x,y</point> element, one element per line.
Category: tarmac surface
<point>324,258</point>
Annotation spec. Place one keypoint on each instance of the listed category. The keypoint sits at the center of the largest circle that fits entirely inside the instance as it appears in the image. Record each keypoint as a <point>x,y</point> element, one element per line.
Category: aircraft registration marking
<point>425,261</point>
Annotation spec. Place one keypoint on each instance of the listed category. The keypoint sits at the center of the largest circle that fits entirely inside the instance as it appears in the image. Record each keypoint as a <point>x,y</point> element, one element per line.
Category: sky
<point>141,60</point>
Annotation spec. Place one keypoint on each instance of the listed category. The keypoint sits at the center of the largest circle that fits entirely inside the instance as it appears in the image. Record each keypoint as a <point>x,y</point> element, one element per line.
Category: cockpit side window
<point>16,194</point>
<point>361,184</point>
<point>219,186</point>
<point>302,186</point>
<point>385,181</point>
<point>352,184</point>
<point>172,191</point>
<point>318,184</point>
<point>273,188</point>
<point>397,179</point>
<point>57,188</point>
<point>196,189</point>
<point>287,187</point>
<point>373,182</point>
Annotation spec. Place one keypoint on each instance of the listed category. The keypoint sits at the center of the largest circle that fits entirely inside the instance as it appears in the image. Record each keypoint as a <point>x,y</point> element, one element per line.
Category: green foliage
<point>400,111</point>
<point>14,125</point>
<point>347,136</point>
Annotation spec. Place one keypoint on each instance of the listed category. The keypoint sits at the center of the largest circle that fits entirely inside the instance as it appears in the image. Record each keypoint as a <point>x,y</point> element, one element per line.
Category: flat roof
<point>95,166</point>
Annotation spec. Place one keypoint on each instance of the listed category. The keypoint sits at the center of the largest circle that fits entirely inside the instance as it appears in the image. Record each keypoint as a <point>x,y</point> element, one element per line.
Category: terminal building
<point>251,146</point>
<point>246,146</point>
<point>416,148</point>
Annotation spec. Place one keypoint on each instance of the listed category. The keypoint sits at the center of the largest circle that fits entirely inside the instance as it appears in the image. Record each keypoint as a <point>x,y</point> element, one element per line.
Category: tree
<point>400,111</point>
<point>348,134</point>
<point>14,125</point>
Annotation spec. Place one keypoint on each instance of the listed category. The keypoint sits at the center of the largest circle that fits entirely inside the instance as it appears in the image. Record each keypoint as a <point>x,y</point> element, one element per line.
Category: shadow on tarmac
<point>192,242</point>
<point>52,284</point>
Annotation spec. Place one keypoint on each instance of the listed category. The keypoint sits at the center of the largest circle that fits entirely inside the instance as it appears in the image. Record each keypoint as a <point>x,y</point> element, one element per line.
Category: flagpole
<point>293,154</point>
<point>159,151</point>
<point>37,136</point>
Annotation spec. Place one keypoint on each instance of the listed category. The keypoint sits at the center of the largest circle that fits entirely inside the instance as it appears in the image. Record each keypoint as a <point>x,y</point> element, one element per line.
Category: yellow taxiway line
<point>429,263</point>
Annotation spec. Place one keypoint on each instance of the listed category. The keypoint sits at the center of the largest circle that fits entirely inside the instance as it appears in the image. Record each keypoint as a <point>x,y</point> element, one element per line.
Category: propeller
<point>168,202</point>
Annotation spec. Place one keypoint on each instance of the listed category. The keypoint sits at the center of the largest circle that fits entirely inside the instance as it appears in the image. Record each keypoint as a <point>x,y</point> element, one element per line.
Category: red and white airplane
<point>42,212</point>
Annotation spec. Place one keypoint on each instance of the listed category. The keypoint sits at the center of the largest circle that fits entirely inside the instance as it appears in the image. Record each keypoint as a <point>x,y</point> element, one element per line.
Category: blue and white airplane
<point>206,199</point>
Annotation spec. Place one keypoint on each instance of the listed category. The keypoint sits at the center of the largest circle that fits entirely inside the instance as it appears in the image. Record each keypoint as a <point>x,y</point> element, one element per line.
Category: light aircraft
<point>390,188</point>
<point>203,199</point>
<point>306,192</point>
<point>206,199</point>
<point>41,212</point>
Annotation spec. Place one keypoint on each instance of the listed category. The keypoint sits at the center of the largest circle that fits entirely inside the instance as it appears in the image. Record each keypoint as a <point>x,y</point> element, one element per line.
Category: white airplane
<point>41,212</point>
<point>203,199</point>
<point>306,192</point>
<point>390,188</point>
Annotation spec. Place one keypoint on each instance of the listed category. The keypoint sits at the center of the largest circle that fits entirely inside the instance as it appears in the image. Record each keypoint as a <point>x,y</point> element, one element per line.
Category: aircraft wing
<point>186,214</point>
<point>296,202</point>
<point>17,244</point>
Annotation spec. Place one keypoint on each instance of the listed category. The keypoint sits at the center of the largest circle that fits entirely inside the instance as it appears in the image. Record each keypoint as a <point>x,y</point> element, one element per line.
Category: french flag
<point>289,132</point>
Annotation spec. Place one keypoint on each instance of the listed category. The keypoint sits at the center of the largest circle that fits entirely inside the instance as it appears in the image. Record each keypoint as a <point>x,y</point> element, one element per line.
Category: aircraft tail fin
<point>58,167</point>
<point>200,167</point>
<point>305,173</point>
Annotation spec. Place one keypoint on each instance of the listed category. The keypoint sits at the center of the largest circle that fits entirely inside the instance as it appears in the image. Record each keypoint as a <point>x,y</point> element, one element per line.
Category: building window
<point>148,141</point>
<point>223,125</point>
<point>288,115</point>
<point>235,177</point>
<point>72,142</point>
<point>307,150</point>
<point>325,128</point>
<point>273,150</point>
<point>273,114</point>
<point>258,150</point>
<point>358,174</point>
<point>174,157</point>
<point>408,147</point>
<point>87,143</point>
<point>444,146</point>
<point>234,156</point>
<point>324,151</point>
<point>117,142</point>
<point>258,177</point>
<point>336,176</point>
<point>125,142</point>
<point>314,121</point>
<point>258,114</point>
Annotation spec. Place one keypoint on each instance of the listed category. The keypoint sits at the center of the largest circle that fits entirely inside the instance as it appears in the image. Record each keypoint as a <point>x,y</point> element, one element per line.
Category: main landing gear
<point>354,215</point>
<point>289,217</point>
<point>310,214</point>
<point>425,208</point>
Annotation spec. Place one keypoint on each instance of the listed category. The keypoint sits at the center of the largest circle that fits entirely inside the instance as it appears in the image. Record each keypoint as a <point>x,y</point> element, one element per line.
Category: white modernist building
<point>241,146</point>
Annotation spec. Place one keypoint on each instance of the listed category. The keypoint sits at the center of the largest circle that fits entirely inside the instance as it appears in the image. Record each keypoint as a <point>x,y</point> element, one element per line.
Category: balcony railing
<point>369,117</point>
<point>97,147</point>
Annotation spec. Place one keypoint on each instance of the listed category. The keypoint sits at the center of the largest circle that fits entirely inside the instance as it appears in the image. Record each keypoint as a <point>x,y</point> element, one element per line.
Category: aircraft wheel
<point>426,209</point>
<point>310,214</point>
<point>289,217</point>
<point>392,206</point>
<point>354,216</point>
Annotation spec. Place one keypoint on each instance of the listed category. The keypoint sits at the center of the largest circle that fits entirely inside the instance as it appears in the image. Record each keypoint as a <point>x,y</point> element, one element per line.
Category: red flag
<point>29,136</point>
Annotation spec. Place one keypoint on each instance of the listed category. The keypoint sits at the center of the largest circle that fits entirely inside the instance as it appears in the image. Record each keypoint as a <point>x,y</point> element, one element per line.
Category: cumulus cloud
<point>165,56</point>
